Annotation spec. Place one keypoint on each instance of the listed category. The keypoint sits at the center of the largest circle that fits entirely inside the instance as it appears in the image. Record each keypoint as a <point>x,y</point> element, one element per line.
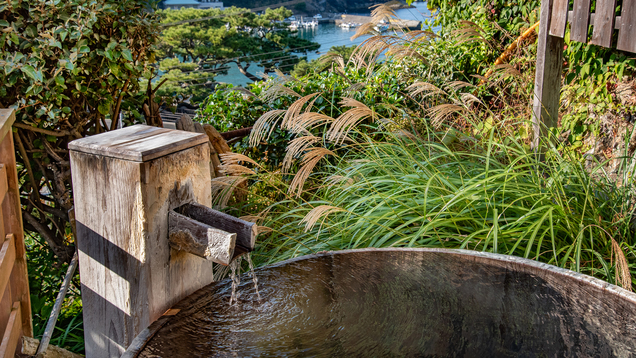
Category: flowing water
<point>235,277</point>
<point>395,304</point>
<point>253,273</point>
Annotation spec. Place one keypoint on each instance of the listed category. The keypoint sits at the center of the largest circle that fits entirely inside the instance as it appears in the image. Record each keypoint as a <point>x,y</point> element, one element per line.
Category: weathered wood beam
<point>200,239</point>
<point>547,83</point>
<point>245,231</point>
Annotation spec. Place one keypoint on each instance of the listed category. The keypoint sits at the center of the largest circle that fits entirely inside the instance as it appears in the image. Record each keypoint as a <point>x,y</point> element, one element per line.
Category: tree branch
<point>61,133</point>
<point>27,165</point>
<point>56,245</point>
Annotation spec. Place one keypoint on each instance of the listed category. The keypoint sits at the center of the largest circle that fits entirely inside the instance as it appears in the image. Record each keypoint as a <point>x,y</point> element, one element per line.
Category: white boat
<point>293,25</point>
<point>350,25</point>
<point>381,27</point>
<point>317,16</point>
<point>310,24</point>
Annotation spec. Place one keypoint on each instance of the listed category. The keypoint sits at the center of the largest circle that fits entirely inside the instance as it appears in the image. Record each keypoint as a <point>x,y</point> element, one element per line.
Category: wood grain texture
<point>627,32</point>
<point>245,231</point>
<point>12,335</point>
<point>137,143</point>
<point>4,186</point>
<point>5,309</point>
<point>130,275</point>
<point>603,24</point>
<point>7,117</point>
<point>199,239</point>
<point>7,261</point>
<point>547,83</point>
<point>559,18</point>
<point>580,21</point>
<point>12,223</point>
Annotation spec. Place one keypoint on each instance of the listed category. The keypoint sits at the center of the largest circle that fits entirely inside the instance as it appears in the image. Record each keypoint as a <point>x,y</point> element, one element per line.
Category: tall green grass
<point>488,195</point>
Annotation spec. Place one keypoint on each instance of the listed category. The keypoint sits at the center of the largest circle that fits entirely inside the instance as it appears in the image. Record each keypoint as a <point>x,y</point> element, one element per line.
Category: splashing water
<point>235,277</point>
<point>249,261</point>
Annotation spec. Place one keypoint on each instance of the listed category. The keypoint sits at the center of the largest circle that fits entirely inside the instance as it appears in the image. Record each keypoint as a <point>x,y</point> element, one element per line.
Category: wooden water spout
<point>135,188</point>
<point>210,234</point>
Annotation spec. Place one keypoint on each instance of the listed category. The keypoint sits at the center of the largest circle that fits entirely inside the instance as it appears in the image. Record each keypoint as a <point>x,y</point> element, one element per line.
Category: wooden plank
<point>547,83</point>
<point>138,143</point>
<point>7,117</point>
<point>7,261</point>
<point>200,239</point>
<point>5,309</point>
<point>12,216</point>
<point>12,335</point>
<point>603,24</point>
<point>559,18</point>
<point>580,21</point>
<point>4,186</point>
<point>627,32</point>
<point>245,231</point>
<point>617,20</point>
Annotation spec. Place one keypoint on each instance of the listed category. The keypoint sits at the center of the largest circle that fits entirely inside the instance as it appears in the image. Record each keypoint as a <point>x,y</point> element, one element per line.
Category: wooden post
<point>125,182</point>
<point>547,83</point>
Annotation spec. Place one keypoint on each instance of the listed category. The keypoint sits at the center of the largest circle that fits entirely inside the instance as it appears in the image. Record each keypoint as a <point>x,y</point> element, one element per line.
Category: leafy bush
<point>68,67</point>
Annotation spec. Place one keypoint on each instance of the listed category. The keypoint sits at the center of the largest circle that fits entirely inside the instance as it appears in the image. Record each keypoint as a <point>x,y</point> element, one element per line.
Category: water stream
<point>235,276</point>
<point>253,273</point>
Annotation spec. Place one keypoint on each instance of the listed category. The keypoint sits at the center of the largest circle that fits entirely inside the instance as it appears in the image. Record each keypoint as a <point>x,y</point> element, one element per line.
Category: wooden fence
<point>15,303</point>
<point>555,14</point>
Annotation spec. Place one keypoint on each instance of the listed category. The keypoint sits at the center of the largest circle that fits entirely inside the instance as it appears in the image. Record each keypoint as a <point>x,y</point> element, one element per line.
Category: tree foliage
<point>197,45</point>
<point>69,67</point>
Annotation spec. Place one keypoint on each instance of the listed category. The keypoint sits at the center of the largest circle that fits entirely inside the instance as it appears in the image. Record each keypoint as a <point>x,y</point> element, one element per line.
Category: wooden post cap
<point>138,143</point>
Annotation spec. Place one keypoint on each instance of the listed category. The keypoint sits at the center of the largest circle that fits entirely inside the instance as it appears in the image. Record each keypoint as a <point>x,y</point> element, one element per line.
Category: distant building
<point>203,4</point>
<point>209,4</point>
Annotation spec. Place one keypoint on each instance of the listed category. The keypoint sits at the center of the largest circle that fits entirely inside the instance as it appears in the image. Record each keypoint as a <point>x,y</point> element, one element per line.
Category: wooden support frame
<point>547,83</point>
<point>555,15</point>
<point>130,274</point>
<point>15,300</point>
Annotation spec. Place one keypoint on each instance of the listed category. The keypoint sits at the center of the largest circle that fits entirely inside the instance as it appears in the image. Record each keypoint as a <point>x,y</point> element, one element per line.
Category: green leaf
<point>104,108</point>
<point>4,23</point>
<point>127,55</point>
<point>29,71</point>
<point>84,49</point>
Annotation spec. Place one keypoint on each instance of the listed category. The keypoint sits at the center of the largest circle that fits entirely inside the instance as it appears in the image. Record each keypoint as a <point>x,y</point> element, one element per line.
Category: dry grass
<point>296,147</point>
<point>294,110</point>
<point>277,90</point>
<point>223,188</point>
<point>310,159</point>
<point>236,158</point>
<point>341,127</point>
<point>264,126</point>
<point>467,32</point>
<point>316,214</point>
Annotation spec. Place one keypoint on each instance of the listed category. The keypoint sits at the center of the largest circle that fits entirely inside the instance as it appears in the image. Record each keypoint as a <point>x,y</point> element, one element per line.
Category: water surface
<point>399,304</point>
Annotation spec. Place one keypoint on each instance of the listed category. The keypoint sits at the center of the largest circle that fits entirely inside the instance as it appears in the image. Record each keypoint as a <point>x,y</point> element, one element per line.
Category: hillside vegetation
<point>430,147</point>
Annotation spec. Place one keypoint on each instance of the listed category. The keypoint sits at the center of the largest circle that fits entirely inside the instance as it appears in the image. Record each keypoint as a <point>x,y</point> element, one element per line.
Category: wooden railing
<point>15,303</point>
<point>555,14</point>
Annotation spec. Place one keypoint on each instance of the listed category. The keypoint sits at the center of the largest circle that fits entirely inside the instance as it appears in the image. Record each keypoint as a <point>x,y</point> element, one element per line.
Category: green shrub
<point>68,67</point>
